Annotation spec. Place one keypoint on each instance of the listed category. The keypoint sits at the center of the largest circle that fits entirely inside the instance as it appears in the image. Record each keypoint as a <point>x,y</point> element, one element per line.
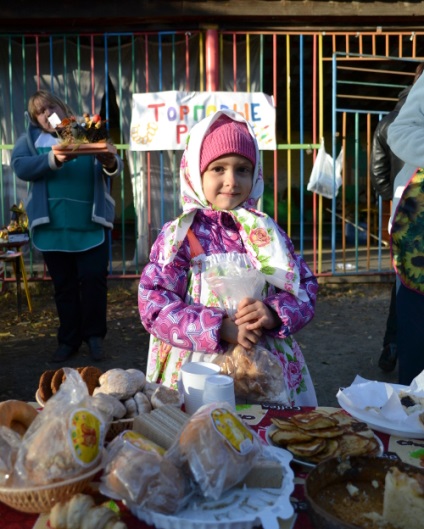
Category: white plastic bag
<point>257,373</point>
<point>323,172</point>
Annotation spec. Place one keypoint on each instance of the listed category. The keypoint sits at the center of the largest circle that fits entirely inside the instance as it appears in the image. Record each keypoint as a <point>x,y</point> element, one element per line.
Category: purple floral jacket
<point>176,322</point>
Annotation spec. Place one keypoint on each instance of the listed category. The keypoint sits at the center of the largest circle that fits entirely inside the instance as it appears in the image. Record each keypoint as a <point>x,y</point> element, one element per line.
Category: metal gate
<point>331,85</point>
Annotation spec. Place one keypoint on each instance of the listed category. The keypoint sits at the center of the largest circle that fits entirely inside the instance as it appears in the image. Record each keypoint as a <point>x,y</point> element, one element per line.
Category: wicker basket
<point>116,427</point>
<point>41,499</point>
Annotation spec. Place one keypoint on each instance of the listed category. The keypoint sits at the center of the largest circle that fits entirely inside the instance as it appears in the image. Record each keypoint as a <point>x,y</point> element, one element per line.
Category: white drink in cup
<point>193,376</point>
<point>219,388</point>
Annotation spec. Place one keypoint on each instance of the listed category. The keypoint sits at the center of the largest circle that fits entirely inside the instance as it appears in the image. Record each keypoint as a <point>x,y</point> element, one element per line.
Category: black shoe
<point>95,345</point>
<point>388,358</point>
<point>63,352</point>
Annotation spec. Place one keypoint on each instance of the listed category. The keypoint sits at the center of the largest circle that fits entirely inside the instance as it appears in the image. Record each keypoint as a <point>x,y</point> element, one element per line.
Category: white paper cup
<point>193,376</point>
<point>219,388</point>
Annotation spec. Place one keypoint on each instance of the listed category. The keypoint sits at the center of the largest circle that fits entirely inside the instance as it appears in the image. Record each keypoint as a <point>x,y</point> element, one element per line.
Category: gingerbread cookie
<point>44,387</point>
<point>57,380</point>
<point>91,375</point>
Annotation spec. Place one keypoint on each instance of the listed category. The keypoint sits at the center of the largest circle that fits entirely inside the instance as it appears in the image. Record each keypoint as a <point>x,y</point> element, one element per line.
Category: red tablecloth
<point>259,418</point>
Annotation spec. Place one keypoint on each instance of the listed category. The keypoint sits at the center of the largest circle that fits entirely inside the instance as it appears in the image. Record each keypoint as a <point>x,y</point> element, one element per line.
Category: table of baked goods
<point>410,450</point>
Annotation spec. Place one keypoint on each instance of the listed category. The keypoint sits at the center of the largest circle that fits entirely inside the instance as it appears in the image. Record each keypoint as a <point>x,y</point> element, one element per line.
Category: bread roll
<point>17,415</point>
<point>80,512</point>
<point>78,506</point>
<point>58,516</point>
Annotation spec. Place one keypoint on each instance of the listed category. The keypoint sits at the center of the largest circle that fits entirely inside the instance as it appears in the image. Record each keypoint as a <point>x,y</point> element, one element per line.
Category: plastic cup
<point>219,388</point>
<point>193,377</point>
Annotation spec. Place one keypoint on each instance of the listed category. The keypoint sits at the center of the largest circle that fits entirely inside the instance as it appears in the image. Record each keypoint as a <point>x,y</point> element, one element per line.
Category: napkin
<point>380,400</point>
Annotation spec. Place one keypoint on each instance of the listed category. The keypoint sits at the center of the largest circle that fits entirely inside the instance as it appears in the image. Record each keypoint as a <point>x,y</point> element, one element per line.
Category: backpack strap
<point>195,246</point>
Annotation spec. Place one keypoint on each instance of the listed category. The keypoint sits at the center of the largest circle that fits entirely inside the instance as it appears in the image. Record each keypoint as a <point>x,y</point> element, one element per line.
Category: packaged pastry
<point>257,373</point>
<point>216,448</point>
<point>65,440</point>
<point>136,471</point>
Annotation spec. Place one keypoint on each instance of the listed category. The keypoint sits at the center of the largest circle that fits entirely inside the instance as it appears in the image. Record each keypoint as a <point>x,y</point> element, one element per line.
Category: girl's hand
<point>256,315</point>
<point>239,334</point>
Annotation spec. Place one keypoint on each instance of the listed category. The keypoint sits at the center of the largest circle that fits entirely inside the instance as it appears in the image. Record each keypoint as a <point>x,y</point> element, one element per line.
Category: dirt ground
<point>343,340</point>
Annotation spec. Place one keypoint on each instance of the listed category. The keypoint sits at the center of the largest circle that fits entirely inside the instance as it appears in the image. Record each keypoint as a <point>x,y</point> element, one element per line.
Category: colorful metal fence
<point>326,85</point>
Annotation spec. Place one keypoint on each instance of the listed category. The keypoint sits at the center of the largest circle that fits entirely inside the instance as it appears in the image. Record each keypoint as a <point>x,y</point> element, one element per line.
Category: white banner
<point>163,120</point>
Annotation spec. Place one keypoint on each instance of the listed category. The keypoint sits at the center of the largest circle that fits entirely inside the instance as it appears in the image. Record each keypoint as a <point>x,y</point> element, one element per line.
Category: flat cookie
<point>57,380</point>
<point>91,375</point>
<point>44,387</point>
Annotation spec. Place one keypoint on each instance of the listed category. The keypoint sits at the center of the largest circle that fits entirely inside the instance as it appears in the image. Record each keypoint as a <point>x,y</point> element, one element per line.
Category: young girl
<point>221,182</point>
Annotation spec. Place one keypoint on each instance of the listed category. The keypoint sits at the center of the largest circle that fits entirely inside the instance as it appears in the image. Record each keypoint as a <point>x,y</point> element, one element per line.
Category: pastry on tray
<point>89,136</point>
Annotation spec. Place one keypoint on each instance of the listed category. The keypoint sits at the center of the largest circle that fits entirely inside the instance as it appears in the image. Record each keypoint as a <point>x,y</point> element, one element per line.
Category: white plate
<point>383,425</point>
<point>238,508</point>
<point>299,460</point>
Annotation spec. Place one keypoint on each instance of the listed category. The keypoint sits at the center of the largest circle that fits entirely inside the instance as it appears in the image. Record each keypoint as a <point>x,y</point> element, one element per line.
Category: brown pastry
<point>57,380</point>
<point>91,375</point>
<point>44,387</point>
<point>17,415</point>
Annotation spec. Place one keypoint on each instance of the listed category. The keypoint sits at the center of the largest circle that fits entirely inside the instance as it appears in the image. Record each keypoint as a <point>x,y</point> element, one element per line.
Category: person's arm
<point>165,314</point>
<point>406,133</point>
<point>112,164</point>
<point>380,166</point>
<point>30,166</point>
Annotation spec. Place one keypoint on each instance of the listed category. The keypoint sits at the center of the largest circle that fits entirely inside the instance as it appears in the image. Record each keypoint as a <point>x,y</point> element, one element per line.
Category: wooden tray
<point>85,148</point>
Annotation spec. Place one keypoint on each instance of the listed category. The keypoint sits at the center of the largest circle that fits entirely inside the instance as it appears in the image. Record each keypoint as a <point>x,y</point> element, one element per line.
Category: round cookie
<point>91,375</point>
<point>44,386</point>
<point>57,380</point>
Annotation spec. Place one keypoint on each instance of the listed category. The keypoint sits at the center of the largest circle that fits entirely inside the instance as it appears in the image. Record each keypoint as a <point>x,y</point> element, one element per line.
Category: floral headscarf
<point>263,241</point>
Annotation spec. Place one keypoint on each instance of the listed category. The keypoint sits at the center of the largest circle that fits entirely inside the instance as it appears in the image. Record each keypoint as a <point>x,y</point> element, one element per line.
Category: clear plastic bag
<point>137,472</point>
<point>257,373</point>
<point>65,440</point>
<point>10,442</point>
<point>321,180</point>
<point>218,449</point>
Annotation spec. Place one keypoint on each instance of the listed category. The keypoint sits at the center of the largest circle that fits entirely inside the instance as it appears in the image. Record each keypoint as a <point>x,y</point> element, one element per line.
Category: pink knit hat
<point>226,136</point>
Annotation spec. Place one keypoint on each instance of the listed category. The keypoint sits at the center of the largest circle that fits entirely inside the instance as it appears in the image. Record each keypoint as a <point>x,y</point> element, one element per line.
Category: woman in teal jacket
<point>70,212</point>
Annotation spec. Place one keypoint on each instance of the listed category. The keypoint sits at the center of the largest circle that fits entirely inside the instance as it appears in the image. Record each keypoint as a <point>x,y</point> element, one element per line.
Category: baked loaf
<point>218,448</point>
<point>403,504</point>
<point>80,512</point>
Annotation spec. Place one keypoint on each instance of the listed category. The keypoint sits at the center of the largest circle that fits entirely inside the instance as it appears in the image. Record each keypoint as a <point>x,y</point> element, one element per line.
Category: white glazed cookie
<point>107,403</point>
<point>143,403</point>
<point>118,383</point>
